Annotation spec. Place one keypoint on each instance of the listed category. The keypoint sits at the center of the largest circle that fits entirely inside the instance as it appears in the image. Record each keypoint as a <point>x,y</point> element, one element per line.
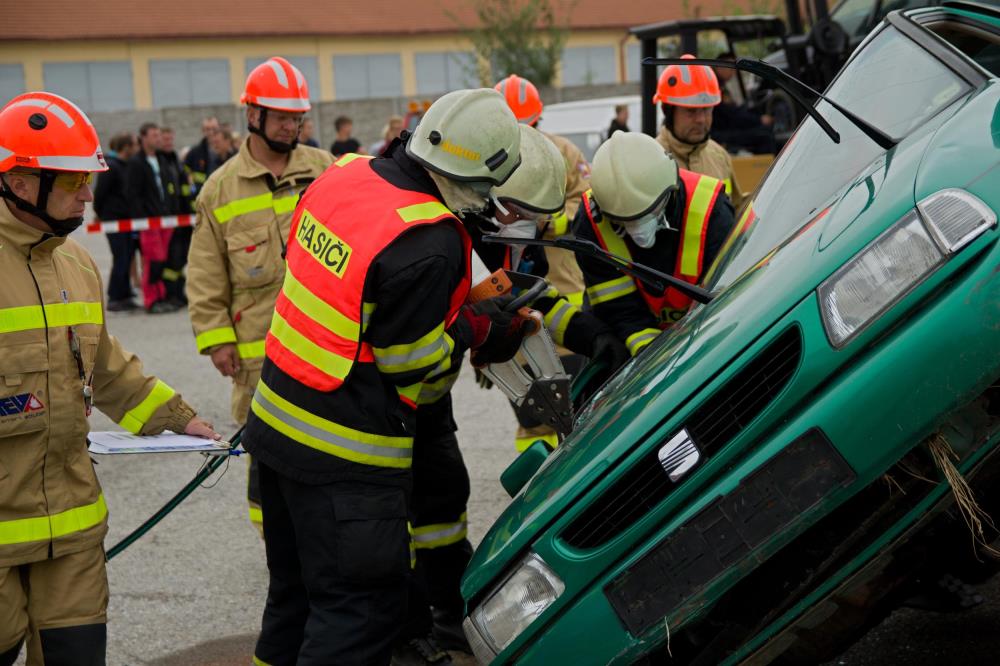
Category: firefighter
<point>57,361</point>
<point>378,270</point>
<point>244,210</point>
<point>563,271</point>
<point>535,191</point>
<point>686,95</point>
<point>643,208</point>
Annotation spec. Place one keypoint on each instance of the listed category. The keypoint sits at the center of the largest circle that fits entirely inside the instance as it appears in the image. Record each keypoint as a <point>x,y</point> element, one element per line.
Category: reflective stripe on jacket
<point>235,265</point>
<point>50,500</point>
<point>701,193</point>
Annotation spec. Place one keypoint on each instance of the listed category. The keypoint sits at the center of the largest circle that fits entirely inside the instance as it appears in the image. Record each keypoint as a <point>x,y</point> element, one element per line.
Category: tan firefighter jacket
<point>51,503</point>
<point>707,157</point>
<point>235,266</point>
<point>564,273</point>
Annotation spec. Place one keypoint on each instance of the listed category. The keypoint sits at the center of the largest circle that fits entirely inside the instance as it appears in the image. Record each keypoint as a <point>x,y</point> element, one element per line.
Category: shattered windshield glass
<point>893,84</point>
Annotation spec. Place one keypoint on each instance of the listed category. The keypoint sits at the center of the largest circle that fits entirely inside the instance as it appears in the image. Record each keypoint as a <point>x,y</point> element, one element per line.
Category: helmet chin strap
<point>60,227</point>
<point>276,146</point>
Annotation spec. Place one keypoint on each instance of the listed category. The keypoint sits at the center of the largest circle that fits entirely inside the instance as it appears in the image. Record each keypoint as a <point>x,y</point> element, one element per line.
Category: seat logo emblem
<point>678,456</point>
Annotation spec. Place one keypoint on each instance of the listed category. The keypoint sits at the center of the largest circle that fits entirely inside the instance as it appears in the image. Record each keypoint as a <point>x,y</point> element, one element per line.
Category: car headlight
<point>899,260</point>
<point>512,606</point>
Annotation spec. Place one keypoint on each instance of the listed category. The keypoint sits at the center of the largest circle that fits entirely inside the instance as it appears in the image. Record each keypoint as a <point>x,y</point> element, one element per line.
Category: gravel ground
<point>191,591</point>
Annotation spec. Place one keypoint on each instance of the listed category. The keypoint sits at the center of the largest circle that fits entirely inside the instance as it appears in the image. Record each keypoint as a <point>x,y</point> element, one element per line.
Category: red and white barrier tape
<point>140,224</point>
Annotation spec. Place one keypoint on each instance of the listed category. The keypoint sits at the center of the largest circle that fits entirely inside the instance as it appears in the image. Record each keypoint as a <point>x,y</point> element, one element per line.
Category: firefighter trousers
<point>440,527</point>
<point>62,601</point>
<point>338,557</point>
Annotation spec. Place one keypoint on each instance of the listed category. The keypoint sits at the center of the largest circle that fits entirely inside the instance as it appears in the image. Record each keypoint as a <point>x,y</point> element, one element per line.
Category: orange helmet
<point>522,98</point>
<point>277,84</point>
<point>39,130</point>
<point>694,86</point>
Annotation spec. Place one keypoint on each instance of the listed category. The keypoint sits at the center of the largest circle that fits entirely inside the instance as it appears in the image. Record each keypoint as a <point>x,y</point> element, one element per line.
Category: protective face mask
<point>643,230</point>
<point>519,229</point>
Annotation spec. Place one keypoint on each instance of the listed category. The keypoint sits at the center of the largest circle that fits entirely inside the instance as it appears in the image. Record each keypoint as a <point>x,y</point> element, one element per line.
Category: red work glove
<point>496,333</point>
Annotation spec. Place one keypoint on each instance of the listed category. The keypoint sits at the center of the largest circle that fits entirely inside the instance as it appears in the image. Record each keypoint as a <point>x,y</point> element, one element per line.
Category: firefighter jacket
<point>707,157</point>
<point>50,500</point>
<point>564,273</point>
<point>235,265</point>
<point>702,217</point>
<point>378,269</point>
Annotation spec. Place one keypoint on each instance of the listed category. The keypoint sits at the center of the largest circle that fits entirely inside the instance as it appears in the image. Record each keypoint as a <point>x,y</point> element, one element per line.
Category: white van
<point>586,122</point>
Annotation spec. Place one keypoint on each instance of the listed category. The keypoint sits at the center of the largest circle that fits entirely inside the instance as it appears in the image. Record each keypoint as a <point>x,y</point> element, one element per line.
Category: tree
<point>523,37</point>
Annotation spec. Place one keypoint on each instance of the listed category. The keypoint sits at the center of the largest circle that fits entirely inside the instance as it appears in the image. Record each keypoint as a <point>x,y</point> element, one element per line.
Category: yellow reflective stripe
<point>43,528</point>
<point>576,298</point>
<point>728,182</point>
<point>199,177</point>
<point>610,290</point>
<point>236,207</point>
<point>138,416</point>
<point>427,351</point>
<point>259,662</point>
<point>441,534</point>
<point>256,516</point>
<point>434,389</point>
<point>319,310</point>
<point>253,349</point>
<point>413,546</point>
<point>324,435</point>
<point>367,310</point>
<point>557,319</point>
<point>411,392</point>
<point>170,275</point>
<point>322,359</point>
<point>285,204</point>
<point>423,211</point>
<point>560,223</point>
<point>223,335</point>
<point>348,158</point>
<point>28,317</point>
<point>524,443</point>
<point>694,224</point>
<point>640,339</point>
<point>253,204</point>
<point>615,244</point>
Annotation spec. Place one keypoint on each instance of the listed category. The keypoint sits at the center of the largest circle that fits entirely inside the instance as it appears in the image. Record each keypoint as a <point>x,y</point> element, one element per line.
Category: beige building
<point>135,55</point>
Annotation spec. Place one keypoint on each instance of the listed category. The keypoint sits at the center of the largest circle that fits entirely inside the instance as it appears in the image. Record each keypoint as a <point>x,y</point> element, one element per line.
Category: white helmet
<point>539,184</point>
<point>632,178</point>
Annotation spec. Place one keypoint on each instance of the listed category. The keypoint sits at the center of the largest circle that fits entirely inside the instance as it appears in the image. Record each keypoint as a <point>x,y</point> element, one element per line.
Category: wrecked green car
<point>769,478</point>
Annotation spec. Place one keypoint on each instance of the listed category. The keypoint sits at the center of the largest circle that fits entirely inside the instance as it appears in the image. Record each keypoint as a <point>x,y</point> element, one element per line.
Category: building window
<point>306,64</point>
<point>11,82</point>
<point>367,76</point>
<point>445,71</point>
<point>588,65</point>
<point>93,86</point>
<point>633,66</point>
<point>189,82</point>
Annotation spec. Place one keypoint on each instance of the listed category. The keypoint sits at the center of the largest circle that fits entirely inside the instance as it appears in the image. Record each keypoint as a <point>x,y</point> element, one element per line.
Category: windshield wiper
<point>793,87</point>
<point>654,278</point>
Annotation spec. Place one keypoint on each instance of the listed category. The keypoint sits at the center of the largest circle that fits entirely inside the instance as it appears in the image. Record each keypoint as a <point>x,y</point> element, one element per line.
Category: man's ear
<point>17,184</point>
<point>253,115</point>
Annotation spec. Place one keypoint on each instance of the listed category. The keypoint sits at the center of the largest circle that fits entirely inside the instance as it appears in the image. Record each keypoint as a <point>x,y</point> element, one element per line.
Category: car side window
<point>979,44</point>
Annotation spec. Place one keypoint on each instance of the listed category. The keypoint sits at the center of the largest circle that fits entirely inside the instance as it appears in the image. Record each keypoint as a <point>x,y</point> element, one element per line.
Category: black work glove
<point>481,379</point>
<point>497,333</point>
<point>610,349</point>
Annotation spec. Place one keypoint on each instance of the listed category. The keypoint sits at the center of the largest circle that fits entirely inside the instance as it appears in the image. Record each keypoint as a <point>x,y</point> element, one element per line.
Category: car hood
<point>653,386</point>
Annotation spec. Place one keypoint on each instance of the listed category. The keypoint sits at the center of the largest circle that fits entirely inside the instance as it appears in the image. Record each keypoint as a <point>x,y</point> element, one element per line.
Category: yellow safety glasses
<point>71,181</point>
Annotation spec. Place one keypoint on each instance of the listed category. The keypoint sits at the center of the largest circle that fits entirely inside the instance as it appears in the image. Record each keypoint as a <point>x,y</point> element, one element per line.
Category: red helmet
<point>522,97</point>
<point>694,86</point>
<point>40,130</point>
<point>277,84</point>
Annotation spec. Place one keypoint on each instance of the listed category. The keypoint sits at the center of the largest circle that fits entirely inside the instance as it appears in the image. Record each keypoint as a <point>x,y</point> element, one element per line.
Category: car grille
<point>714,424</point>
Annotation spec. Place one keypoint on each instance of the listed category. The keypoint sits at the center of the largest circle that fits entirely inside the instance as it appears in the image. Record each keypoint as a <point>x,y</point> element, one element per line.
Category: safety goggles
<point>521,212</point>
<point>657,215</point>
<point>72,181</point>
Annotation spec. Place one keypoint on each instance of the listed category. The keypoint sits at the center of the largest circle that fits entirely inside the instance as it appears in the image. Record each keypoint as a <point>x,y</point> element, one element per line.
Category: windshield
<point>893,84</point>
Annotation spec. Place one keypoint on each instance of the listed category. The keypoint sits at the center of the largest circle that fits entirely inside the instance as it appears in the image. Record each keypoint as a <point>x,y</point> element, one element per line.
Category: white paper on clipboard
<point>107,442</point>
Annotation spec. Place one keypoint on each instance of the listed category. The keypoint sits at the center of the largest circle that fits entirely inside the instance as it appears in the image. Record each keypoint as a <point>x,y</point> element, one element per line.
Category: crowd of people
<point>335,290</point>
<point>148,177</point>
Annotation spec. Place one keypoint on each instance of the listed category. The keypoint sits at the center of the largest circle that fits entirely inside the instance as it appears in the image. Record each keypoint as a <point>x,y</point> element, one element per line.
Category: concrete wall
<point>369,116</point>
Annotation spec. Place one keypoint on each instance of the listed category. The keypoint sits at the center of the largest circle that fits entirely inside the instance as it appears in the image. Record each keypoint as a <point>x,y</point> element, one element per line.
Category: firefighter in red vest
<point>642,207</point>
<point>378,271</point>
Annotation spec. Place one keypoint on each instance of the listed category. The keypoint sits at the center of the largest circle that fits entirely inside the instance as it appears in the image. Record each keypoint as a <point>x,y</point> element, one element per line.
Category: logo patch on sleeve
<point>323,244</point>
<point>24,403</point>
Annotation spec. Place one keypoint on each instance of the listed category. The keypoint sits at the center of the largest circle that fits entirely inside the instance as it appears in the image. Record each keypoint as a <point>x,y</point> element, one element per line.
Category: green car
<point>769,478</point>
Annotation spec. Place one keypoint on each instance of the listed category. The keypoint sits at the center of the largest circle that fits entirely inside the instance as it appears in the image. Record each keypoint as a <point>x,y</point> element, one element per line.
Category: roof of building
<point>142,19</point>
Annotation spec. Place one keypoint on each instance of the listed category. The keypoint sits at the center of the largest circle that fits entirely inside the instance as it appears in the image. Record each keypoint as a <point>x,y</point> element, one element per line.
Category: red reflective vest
<point>701,193</point>
<point>341,224</point>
